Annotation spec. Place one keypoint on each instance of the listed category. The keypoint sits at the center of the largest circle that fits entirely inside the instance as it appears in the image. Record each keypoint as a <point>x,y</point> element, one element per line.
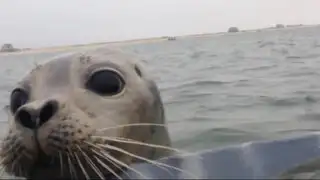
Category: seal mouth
<point>74,160</point>
<point>46,161</point>
<point>58,167</point>
<point>66,164</point>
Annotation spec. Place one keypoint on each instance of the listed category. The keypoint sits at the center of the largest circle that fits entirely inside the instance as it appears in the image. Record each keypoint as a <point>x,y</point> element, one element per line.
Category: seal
<point>84,115</point>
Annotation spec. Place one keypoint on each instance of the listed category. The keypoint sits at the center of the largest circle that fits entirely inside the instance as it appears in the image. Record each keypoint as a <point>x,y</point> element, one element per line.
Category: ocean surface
<point>220,90</point>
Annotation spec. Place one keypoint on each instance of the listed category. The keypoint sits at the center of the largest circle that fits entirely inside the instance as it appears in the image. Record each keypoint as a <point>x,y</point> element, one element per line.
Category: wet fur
<point>80,116</point>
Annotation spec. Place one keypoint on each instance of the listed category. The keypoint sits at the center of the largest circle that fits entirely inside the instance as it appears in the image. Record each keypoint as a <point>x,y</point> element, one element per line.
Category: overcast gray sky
<point>37,23</point>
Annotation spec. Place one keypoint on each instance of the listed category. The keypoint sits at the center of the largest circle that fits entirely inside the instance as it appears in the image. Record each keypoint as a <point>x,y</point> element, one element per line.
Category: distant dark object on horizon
<point>171,38</point>
<point>233,29</point>
<point>295,25</point>
<point>8,48</point>
<point>280,26</point>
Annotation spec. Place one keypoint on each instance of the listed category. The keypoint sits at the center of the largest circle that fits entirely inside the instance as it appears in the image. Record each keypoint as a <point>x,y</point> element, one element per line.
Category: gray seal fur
<point>70,134</point>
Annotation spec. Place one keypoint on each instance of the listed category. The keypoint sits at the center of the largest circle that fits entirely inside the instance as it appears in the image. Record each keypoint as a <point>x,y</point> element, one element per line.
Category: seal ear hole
<point>105,82</point>
<point>18,98</point>
<point>138,71</point>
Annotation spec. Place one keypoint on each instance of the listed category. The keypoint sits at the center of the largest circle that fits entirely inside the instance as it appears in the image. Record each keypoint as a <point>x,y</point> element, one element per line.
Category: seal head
<point>84,115</point>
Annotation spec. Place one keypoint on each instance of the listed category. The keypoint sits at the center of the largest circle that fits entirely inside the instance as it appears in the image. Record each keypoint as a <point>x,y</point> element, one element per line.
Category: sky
<point>44,23</point>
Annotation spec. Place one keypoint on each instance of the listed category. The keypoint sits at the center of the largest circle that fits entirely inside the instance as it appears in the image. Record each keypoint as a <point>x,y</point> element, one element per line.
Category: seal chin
<point>46,161</point>
<point>51,167</point>
<point>58,157</point>
<point>46,165</point>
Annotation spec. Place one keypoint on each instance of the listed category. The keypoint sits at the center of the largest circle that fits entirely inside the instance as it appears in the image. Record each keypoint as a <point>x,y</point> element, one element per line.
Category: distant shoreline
<point>66,47</point>
<point>145,40</point>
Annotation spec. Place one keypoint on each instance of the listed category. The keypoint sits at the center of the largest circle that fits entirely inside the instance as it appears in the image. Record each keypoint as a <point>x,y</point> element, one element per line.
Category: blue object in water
<point>245,161</point>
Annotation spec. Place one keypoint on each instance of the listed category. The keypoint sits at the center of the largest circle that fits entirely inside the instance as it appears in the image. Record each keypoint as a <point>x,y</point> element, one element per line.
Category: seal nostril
<point>26,119</point>
<point>48,110</point>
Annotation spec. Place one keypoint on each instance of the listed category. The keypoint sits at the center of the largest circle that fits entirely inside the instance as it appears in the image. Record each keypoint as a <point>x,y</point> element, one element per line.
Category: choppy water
<point>222,90</point>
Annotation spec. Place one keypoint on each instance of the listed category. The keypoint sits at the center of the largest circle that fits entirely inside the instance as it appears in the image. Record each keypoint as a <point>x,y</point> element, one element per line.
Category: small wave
<point>209,82</point>
<point>265,44</point>
<point>309,116</point>
<point>311,99</point>
<point>192,94</point>
<point>261,68</point>
<point>222,130</point>
<point>311,56</point>
<point>308,56</point>
<point>210,67</point>
<point>195,83</point>
<point>199,119</point>
<point>181,98</point>
<point>197,54</point>
<point>212,55</point>
<point>300,74</point>
<point>186,97</point>
<point>294,101</point>
<point>298,130</point>
<point>281,51</point>
<point>284,102</point>
<point>293,57</point>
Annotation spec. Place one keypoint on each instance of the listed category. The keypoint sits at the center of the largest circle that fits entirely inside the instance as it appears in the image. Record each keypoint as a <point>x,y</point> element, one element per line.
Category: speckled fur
<point>81,113</point>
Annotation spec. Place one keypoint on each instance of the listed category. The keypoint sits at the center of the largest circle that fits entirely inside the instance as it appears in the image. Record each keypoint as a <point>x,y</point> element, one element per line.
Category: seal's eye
<point>18,98</point>
<point>105,82</point>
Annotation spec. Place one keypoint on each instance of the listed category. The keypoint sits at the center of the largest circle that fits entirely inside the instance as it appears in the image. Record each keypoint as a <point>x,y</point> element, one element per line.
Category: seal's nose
<point>32,117</point>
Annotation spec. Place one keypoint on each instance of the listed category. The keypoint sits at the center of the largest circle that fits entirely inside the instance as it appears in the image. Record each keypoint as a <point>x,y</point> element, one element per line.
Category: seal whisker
<point>81,166</point>
<point>130,154</point>
<point>117,161</point>
<point>13,158</point>
<point>15,146</point>
<point>132,141</point>
<point>14,161</point>
<point>108,156</point>
<point>4,159</point>
<point>61,163</point>
<point>113,163</point>
<point>2,170</point>
<point>20,171</point>
<point>131,125</point>
<point>107,167</point>
<point>142,158</point>
<point>92,165</point>
<point>116,165</point>
<point>70,166</point>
